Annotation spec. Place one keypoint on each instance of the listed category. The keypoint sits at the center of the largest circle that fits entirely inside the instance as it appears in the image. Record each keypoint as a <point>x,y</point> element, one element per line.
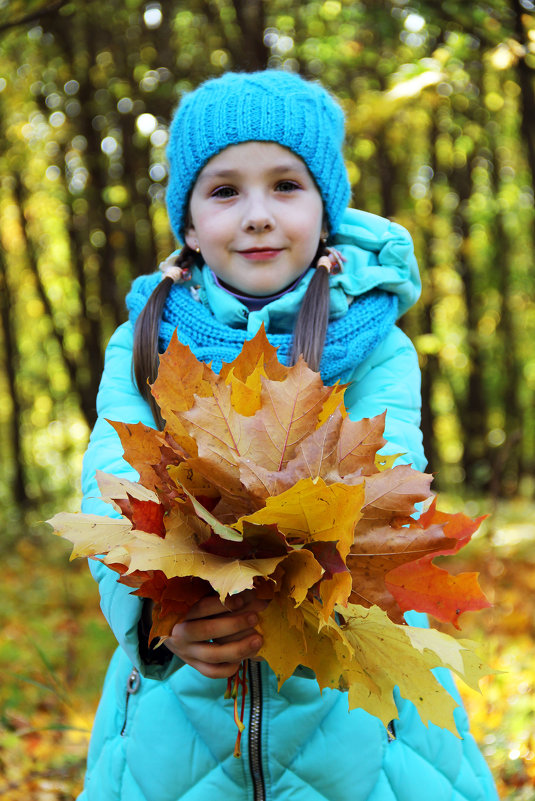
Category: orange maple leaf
<point>421,585</point>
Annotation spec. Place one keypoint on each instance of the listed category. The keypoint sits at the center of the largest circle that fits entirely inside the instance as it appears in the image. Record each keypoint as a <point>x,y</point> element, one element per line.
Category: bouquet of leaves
<point>260,480</point>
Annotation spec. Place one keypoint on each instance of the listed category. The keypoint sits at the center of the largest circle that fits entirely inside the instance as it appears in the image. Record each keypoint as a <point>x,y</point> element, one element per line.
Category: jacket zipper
<point>255,731</point>
<point>132,686</point>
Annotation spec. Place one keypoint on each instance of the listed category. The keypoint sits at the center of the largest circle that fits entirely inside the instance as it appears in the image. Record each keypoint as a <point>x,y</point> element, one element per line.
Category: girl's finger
<point>233,637</point>
<point>205,629</point>
<point>208,606</point>
<point>211,606</point>
<point>232,652</point>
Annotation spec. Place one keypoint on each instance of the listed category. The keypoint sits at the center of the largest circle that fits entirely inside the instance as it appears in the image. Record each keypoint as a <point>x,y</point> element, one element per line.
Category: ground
<point>54,647</point>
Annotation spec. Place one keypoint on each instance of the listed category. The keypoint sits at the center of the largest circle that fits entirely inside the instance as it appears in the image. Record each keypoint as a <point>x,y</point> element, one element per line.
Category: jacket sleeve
<point>118,399</point>
<point>390,379</point>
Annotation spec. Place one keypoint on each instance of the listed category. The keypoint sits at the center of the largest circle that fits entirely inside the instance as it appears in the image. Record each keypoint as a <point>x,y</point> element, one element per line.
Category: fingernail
<point>234,603</point>
<point>252,619</point>
<point>256,643</point>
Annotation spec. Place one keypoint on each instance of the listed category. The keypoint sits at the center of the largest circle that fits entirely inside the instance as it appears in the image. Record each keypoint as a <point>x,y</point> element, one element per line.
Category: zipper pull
<point>132,686</point>
<point>134,680</point>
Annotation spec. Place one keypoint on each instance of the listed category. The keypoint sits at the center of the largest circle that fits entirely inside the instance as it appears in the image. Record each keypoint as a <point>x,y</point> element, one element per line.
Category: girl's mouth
<point>260,254</point>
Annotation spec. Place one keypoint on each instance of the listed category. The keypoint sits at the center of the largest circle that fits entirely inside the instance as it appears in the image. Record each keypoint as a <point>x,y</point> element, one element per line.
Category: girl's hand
<point>214,639</point>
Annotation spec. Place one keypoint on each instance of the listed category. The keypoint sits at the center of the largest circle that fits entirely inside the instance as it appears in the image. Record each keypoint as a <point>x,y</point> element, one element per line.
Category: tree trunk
<point>525,80</point>
<point>87,404</point>
<point>252,55</point>
<point>473,411</point>
<point>505,463</point>
<point>431,370</point>
<point>11,355</point>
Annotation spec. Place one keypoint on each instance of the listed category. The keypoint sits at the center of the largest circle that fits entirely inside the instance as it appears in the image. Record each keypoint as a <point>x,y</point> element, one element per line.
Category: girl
<point>258,192</point>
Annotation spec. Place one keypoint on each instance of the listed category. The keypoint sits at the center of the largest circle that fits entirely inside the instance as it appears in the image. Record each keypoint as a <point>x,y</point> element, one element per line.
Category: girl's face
<point>256,216</point>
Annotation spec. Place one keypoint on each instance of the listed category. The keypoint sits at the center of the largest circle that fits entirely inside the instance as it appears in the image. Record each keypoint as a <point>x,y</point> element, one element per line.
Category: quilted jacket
<point>165,732</point>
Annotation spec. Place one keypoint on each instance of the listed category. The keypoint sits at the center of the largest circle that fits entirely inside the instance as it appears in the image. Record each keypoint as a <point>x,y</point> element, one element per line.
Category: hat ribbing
<point>270,106</point>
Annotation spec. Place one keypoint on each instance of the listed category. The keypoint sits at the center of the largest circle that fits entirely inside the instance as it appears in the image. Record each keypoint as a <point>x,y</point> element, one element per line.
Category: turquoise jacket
<point>165,732</point>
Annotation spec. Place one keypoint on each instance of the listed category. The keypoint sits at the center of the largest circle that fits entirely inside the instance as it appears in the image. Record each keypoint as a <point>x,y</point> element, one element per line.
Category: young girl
<point>258,192</point>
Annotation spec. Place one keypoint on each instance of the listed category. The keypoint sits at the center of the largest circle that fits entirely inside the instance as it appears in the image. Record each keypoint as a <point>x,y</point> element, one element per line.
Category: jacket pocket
<point>133,684</point>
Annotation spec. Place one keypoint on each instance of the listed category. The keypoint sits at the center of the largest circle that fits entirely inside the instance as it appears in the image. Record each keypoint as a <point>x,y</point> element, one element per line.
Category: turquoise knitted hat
<point>270,106</point>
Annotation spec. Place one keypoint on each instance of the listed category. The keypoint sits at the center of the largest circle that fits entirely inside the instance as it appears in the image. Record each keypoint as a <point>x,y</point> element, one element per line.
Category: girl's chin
<point>260,290</point>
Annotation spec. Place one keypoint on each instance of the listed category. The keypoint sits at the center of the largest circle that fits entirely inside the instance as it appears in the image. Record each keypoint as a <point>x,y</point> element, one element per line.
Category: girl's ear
<point>325,230</point>
<point>191,238</point>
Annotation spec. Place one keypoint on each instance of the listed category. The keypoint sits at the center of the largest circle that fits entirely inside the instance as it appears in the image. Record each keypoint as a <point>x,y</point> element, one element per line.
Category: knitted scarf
<point>350,339</point>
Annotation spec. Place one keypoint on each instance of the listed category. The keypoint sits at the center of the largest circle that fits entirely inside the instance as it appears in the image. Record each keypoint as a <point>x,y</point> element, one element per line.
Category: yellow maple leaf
<point>386,652</point>
<point>313,511</point>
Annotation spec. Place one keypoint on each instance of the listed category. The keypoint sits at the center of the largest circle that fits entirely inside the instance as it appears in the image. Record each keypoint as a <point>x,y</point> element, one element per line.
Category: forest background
<point>440,107</point>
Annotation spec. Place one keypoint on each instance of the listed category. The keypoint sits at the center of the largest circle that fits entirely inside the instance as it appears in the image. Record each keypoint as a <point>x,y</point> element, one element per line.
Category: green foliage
<point>437,106</point>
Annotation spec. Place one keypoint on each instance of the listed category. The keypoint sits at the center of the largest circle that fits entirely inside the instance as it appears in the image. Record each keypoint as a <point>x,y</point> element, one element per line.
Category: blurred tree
<point>440,136</point>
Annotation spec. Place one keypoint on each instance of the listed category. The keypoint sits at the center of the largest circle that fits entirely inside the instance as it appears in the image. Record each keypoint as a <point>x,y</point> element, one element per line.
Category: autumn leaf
<point>260,481</point>
<point>424,586</point>
<point>295,575</point>
<point>255,351</point>
<point>214,424</point>
<point>386,461</point>
<point>173,598</point>
<point>172,395</point>
<point>394,493</point>
<point>113,489</point>
<point>312,511</point>
<point>378,549</point>
<point>257,360</point>
<point>245,396</point>
<point>195,483</point>
<point>91,534</point>
<point>335,402</point>
<point>339,449</point>
<point>288,414</point>
<point>368,657</point>
<point>292,638</point>
<point>179,554</point>
<point>317,454</point>
<point>150,452</point>
<point>358,444</point>
<point>193,509</point>
<point>141,446</point>
<point>384,652</point>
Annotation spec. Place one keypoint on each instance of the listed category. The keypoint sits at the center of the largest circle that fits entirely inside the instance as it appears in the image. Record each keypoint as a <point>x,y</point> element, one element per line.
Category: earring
<point>197,249</point>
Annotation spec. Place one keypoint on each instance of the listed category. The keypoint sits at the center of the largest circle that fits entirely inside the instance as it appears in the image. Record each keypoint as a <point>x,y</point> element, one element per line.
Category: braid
<point>311,323</point>
<point>146,357</point>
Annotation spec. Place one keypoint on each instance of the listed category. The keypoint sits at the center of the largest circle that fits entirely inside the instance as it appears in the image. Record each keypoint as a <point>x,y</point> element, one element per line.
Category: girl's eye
<point>287,186</point>
<point>224,192</point>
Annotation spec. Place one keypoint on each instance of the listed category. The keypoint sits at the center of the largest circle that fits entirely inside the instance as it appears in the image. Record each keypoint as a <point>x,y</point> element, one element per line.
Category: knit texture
<point>367,322</point>
<point>270,106</point>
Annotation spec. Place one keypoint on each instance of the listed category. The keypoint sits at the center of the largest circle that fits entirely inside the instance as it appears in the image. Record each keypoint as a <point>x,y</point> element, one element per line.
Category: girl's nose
<point>257,217</point>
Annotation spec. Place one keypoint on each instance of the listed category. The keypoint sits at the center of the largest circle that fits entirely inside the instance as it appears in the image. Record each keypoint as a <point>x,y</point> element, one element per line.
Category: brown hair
<point>146,356</point>
<point>311,324</point>
<point>308,335</point>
